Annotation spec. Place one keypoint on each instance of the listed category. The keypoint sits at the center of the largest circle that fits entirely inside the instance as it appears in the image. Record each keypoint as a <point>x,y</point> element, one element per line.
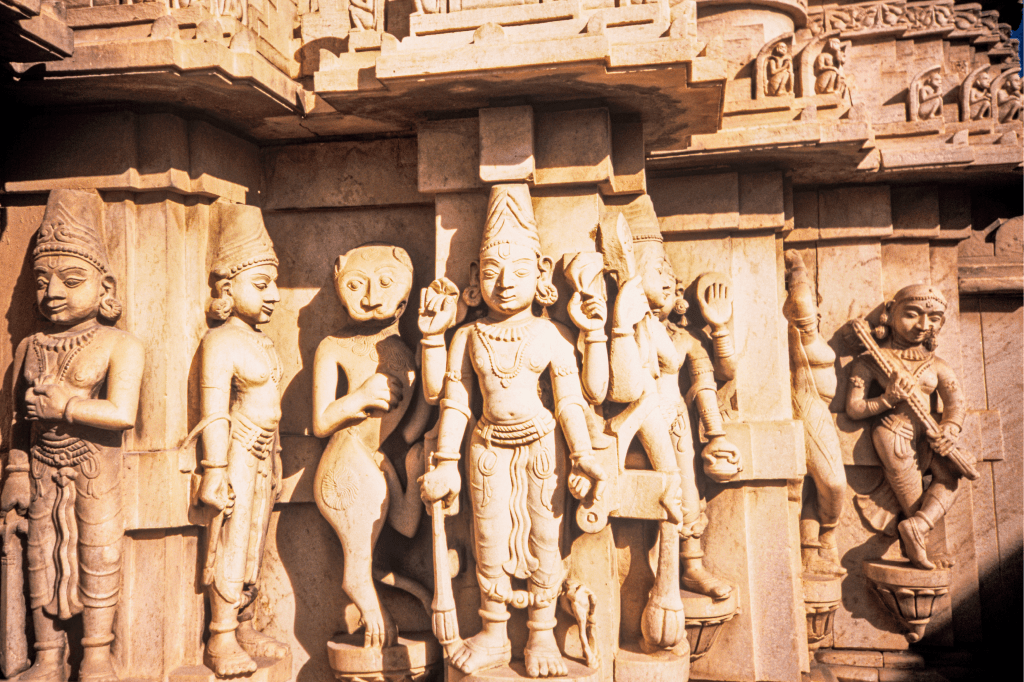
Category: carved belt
<point>518,433</point>
<point>62,451</point>
<point>257,441</point>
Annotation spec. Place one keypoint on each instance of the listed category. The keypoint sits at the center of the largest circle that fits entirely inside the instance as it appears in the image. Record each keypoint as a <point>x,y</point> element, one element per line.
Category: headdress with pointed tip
<point>73,225</point>
<point>643,221</point>
<point>510,218</point>
<point>244,242</point>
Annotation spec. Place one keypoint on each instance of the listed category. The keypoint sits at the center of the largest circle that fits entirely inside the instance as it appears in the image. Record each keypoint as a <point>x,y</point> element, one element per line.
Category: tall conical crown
<point>244,242</point>
<point>510,218</point>
<point>73,225</point>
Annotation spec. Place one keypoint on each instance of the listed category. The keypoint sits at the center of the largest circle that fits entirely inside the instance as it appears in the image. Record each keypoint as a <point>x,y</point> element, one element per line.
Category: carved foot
<point>702,581</point>
<point>255,643</point>
<point>97,666</point>
<point>49,667</point>
<point>226,658</point>
<point>380,631</point>
<point>482,651</point>
<point>821,563</point>
<point>914,540</point>
<point>543,659</point>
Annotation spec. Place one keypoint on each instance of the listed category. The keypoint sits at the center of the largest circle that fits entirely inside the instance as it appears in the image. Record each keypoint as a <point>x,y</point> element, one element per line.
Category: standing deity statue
<point>720,458</point>
<point>662,348</point>
<point>779,71</point>
<point>356,487</point>
<point>812,369</point>
<point>516,466</point>
<point>240,407</point>
<point>909,441</point>
<point>76,387</point>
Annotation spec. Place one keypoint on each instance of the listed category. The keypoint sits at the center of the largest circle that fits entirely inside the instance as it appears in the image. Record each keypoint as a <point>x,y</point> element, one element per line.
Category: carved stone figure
<point>980,98</point>
<point>77,390</point>
<point>928,99</point>
<point>363,14</point>
<point>719,459</point>
<point>240,406</point>
<point>908,440</point>
<point>356,487</point>
<point>828,69</point>
<point>516,466</point>
<point>779,71</point>
<point>812,368</point>
<point>1009,99</point>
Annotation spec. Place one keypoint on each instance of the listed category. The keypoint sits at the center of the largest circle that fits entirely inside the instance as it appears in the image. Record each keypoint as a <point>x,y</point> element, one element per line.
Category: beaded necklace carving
<point>72,345</point>
<point>521,334</point>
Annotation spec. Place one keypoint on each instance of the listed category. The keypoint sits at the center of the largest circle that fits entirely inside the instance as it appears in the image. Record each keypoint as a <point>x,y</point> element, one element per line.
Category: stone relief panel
<point>78,387</point>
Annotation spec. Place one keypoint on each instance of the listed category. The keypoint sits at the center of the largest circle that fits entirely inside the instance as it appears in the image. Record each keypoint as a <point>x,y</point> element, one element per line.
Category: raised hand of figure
<point>899,389</point>
<point>588,314</point>
<point>586,473</point>
<point>713,299</point>
<point>631,304</point>
<point>442,483</point>
<point>438,305</point>
<point>380,392</point>
<point>721,460</point>
<point>16,493</point>
<point>46,402</point>
<point>215,491</point>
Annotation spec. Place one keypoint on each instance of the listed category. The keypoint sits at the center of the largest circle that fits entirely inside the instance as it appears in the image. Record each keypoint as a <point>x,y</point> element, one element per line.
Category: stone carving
<point>779,71</point>
<point>924,96</point>
<point>906,436</point>
<point>516,467</point>
<point>719,458</point>
<point>77,388</point>
<point>829,70</point>
<point>363,14</point>
<point>240,407</point>
<point>812,368</point>
<point>908,594</point>
<point>976,96</point>
<point>878,17</point>
<point>356,487</point>
<point>1007,96</point>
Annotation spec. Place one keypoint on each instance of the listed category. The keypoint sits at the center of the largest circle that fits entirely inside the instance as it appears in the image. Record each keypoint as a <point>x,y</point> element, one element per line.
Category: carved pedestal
<point>632,665</point>
<point>516,671</point>
<point>822,597</point>
<point>415,657</point>
<point>908,593</point>
<point>704,620</point>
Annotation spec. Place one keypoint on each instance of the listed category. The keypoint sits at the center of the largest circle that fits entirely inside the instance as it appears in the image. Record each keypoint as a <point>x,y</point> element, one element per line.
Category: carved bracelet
<point>67,408</point>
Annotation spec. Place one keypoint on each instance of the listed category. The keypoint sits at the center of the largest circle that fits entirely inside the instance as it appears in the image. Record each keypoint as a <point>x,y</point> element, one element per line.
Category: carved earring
<point>222,303</point>
<point>110,307</point>
<point>547,294</point>
<point>471,294</point>
<point>882,330</point>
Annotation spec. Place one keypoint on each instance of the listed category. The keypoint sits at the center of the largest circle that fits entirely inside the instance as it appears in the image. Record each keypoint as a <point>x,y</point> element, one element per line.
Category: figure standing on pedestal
<point>516,466</point>
<point>77,390</point>
<point>240,405</point>
<point>906,368</point>
<point>720,458</point>
<point>812,367</point>
<point>356,487</point>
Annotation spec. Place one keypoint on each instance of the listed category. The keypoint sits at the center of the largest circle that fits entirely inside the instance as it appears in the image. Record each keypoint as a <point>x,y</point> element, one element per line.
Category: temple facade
<point>758,415</point>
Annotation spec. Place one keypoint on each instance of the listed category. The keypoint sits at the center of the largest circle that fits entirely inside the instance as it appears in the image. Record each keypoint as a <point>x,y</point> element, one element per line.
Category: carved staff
<point>918,403</point>
<point>444,622</point>
<point>14,647</point>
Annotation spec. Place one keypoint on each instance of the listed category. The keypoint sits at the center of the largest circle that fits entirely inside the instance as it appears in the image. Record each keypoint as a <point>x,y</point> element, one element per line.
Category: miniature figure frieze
<point>976,98</point>
<point>779,71</point>
<point>908,439</point>
<point>1008,98</point>
<point>77,387</point>
<point>518,471</point>
<point>829,70</point>
<point>924,95</point>
<point>812,369</point>
<point>886,17</point>
<point>240,408</point>
<point>356,486</point>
